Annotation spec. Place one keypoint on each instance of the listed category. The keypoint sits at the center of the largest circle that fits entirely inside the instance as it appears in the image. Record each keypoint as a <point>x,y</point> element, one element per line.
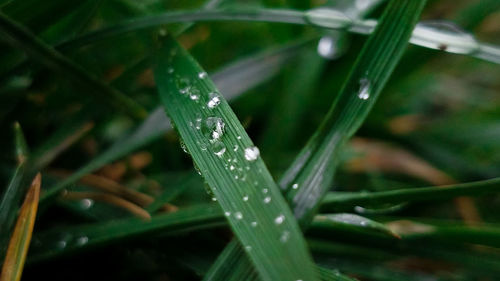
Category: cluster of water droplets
<point>435,34</point>
<point>70,240</point>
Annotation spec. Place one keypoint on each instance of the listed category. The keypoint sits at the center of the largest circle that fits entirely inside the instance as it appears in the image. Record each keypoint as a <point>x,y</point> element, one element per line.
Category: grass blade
<point>345,201</point>
<point>11,198</point>
<point>265,229</point>
<point>352,221</point>
<point>21,237</point>
<point>157,123</point>
<point>57,242</point>
<point>310,176</point>
<point>424,35</point>
<point>20,37</point>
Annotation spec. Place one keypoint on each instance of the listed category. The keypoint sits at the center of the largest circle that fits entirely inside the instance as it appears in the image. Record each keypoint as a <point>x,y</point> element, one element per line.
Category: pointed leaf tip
<point>21,237</point>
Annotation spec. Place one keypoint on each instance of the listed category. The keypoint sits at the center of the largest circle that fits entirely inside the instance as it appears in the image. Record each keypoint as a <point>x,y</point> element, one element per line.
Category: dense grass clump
<point>265,140</point>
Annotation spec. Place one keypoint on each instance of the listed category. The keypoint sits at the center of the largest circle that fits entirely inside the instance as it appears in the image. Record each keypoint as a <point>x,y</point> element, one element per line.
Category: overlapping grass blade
<point>346,201</point>
<point>425,36</point>
<point>20,37</point>
<point>352,221</point>
<point>261,67</point>
<point>230,164</point>
<point>13,194</point>
<point>19,243</point>
<point>311,174</point>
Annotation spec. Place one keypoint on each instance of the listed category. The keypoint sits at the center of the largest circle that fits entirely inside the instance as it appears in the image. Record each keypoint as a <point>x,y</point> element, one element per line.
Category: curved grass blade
<point>18,247</point>
<point>11,198</point>
<point>346,201</point>
<point>353,222</point>
<point>230,164</point>
<point>433,36</point>
<point>66,240</point>
<point>20,37</point>
<point>158,124</point>
<point>310,176</point>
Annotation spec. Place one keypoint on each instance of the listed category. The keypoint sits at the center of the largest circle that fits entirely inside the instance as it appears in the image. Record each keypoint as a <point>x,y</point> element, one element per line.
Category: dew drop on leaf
<point>279,219</point>
<point>252,153</point>
<point>364,89</point>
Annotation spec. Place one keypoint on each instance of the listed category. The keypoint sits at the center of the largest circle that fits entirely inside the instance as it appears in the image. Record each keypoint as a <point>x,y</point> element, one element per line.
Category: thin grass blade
<point>425,35</point>
<point>12,196</point>
<point>20,37</point>
<point>18,247</point>
<point>345,201</point>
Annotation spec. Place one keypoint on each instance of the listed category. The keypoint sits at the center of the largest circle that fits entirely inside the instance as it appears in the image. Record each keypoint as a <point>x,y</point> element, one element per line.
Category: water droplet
<point>236,177</point>
<point>184,148</point>
<point>62,244</point>
<point>248,248</point>
<point>184,85</point>
<point>227,214</point>
<point>265,190</point>
<point>279,219</point>
<point>253,224</point>
<point>194,94</point>
<point>238,215</point>
<point>364,89</point>
<point>214,100</point>
<point>82,240</point>
<point>219,149</point>
<point>245,198</point>
<point>170,70</point>
<point>284,236</point>
<point>295,186</point>
<point>202,75</point>
<point>443,35</point>
<point>235,148</point>
<point>214,199</point>
<point>213,128</point>
<point>267,199</point>
<point>238,137</point>
<point>86,203</point>
<point>231,167</point>
<point>252,153</point>
<point>327,47</point>
<point>327,17</point>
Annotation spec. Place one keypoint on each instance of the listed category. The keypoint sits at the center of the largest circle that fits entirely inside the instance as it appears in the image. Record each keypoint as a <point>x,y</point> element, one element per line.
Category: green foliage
<point>378,154</point>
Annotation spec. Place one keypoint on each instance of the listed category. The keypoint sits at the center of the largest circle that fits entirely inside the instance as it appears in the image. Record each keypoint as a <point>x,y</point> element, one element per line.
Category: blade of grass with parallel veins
<point>232,167</point>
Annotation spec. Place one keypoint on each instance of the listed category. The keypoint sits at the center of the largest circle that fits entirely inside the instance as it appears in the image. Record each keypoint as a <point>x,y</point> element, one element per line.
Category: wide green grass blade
<point>260,67</point>
<point>21,236</point>
<point>346,201</point>
<point>20,37</point>
<point>311,175</point>
<point>14,192</point>
<point>230,164</point>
